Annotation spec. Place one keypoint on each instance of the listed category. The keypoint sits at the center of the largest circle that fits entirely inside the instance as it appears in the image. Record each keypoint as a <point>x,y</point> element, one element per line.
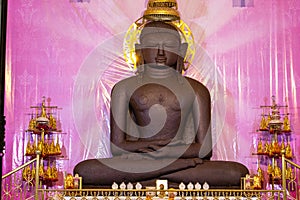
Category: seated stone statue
<point>160,123</point>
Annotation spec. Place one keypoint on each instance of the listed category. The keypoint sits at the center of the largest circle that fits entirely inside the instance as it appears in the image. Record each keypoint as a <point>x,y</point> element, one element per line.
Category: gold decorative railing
<point>17,185</point>
<point>290,178</point>
<point>148,194</point>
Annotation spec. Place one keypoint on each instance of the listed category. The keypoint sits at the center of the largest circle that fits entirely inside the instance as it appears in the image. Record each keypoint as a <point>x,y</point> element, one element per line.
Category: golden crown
<point>162,10</point>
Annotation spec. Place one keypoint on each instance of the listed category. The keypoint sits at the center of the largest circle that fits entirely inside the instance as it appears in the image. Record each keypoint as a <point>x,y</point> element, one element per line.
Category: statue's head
<point>159,37</point>
<point>160,44</point>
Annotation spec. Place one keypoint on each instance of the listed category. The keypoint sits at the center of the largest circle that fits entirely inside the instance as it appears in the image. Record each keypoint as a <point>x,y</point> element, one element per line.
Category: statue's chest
<point>148,95</point>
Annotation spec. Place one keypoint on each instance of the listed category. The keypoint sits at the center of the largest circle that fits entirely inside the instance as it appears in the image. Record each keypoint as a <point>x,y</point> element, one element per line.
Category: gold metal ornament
<point>158,10</point>
<point>162,10</point>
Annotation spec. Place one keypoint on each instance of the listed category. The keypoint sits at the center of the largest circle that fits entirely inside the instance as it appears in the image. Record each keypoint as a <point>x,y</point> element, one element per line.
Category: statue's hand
<point>166,142</point>
<point>155,145</point>
<point>151,148</point>
<point>160,143</point>
<point>161,152</point>
<point>154,151</point>
<point>157,151</point>
<point>136,156</point>
<point>144,150</point>
<point>162,149</point>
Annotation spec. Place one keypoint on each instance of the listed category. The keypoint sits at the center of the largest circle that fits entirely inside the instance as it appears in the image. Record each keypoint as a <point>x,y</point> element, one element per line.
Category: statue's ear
<point>137,47</point>
<point>180,60</point>
<point>138,54</point>
<point>183,49</point>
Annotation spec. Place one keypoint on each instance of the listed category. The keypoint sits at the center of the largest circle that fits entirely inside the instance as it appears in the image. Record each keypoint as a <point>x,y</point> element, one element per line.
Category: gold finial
<point>162,10</point>
<point>43,114</point>
<point>260,149</point>
<point>162,3</point>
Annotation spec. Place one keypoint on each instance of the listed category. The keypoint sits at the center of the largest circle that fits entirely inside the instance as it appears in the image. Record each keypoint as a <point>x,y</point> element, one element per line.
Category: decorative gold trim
<point>158,14</point>
<point>163,3</point>
<point>142,194</point>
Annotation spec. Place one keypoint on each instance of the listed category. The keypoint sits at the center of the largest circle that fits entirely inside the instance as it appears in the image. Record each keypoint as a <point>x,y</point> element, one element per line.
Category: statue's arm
<point>203,119</point>
<point>202,123</point>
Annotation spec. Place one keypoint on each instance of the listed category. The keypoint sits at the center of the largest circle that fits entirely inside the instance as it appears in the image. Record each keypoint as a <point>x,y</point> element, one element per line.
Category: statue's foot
<point>197,161</point>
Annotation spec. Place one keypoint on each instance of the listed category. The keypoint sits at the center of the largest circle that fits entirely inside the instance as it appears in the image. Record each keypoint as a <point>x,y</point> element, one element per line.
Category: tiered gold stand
<point>43,135</point>
<point>274,138</point>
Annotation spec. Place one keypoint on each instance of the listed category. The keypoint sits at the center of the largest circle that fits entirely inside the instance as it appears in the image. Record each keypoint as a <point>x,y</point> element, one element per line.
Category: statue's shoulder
<point>125,83</point>
<point>198,87</point>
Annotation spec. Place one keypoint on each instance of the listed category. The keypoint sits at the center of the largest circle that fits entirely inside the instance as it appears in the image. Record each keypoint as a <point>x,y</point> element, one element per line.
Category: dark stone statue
<point>160,123</point>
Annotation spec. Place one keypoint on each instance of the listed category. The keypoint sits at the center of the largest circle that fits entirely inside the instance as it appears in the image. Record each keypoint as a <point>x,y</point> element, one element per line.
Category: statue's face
<point>161,46</point>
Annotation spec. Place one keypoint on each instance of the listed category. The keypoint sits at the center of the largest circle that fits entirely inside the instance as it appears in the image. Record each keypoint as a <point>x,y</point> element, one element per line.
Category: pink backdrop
<point>72,53</point>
